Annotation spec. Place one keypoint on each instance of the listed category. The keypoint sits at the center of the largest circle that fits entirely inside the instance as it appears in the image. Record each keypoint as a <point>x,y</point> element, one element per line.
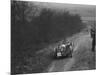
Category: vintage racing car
<point>63,50</point>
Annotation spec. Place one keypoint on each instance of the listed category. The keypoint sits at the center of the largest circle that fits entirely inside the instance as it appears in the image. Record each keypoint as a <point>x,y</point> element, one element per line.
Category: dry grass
<point>85,60</point>
<point>36,63</point>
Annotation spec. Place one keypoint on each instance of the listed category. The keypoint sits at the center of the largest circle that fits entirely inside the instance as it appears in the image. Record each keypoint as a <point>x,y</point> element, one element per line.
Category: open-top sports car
<point>63,50</point>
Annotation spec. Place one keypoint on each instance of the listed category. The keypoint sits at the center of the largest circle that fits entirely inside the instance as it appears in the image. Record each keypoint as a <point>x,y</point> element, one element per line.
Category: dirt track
<point>81,40</point>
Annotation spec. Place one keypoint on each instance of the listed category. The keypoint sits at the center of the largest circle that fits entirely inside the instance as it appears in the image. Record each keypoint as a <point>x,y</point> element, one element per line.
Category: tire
<point>70,54</point>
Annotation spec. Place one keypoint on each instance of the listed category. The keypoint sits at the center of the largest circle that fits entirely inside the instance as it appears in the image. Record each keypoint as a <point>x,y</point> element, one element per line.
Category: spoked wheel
<point>70,55</point>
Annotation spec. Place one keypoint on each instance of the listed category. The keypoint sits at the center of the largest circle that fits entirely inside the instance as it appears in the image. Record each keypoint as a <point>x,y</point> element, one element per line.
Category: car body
<point>63,50</point>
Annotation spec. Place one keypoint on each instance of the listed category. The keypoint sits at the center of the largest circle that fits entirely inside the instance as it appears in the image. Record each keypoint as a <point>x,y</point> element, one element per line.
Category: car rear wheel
<point>70,55</point>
